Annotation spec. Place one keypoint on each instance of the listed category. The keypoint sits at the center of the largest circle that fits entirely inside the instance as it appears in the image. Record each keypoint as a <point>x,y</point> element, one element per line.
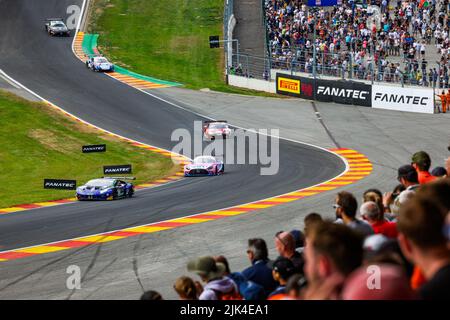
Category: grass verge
<point>39,142</point>
<point>166,40</point>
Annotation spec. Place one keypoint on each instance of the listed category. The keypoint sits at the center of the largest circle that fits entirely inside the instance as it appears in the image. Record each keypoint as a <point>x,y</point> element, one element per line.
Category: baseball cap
<point>206,267</point>
<point>439,172</point>
<point>408,172</point>
<point>284,267</point>
<point>299,238</point>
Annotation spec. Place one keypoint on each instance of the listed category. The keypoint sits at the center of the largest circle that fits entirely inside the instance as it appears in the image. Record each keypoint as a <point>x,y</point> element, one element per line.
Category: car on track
<point>216,129</point>
<point>106,188</point>
<point>100,64</point>
<point>56,27</point>
<point>204,166</point>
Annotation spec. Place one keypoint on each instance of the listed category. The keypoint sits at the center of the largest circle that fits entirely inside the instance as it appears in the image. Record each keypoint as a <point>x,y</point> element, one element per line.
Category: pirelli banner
<point>341,91</point>
<point>294,86</point>
<point>345,92</point>
<point>403,99</point>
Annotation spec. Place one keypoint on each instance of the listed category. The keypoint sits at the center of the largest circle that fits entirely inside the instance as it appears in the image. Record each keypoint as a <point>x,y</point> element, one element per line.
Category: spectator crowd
<point>395,245</point>
<point>383,40</point>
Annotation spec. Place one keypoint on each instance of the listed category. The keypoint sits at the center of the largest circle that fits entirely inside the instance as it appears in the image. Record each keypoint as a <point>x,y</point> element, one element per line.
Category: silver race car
<point>56,27</point>
<point>100,64</point>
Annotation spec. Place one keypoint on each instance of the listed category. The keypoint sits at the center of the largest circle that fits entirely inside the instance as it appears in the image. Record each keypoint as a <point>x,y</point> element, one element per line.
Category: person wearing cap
<point>421,162</point>
<point>439,172</point>
<point>370,212</point>
<point>392,284</point>
<point>212,273</point>
<point>408,177</point>
<point>282,270</point>
<point>285,245</point>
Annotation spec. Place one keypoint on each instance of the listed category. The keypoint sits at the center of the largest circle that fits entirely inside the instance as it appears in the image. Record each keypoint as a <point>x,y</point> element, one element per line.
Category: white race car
<point>100,64</point>
<point>56,26</point>
<point>216,129</point>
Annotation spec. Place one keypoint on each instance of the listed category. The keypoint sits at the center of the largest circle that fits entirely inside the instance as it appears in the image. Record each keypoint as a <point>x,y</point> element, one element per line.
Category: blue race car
<point>107,188</point>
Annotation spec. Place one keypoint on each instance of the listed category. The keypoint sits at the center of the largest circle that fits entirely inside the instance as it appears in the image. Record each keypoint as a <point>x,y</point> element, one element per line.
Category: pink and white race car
<point>216,129</point>
<point>204,165</point>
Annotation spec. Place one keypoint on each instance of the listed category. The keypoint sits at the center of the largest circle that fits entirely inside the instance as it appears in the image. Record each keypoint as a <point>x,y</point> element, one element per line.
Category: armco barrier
<point>251,83</point>
<point>403,99</point>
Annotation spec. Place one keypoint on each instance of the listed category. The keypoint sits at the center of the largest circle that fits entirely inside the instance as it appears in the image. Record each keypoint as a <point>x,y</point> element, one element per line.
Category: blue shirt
<point>261,274</point>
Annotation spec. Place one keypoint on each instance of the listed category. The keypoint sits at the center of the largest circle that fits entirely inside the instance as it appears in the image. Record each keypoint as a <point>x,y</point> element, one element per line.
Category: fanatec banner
<point>403,99</point>
<point>345,92</point>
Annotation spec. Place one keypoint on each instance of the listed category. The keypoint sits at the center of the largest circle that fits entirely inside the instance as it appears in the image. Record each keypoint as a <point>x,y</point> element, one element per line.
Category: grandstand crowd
<point>394,245</point>
<point>400,41</point>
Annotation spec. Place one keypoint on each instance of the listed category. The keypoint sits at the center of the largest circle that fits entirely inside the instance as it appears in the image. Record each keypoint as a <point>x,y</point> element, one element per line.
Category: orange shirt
<point>417,279</point>
<point>425,177</point>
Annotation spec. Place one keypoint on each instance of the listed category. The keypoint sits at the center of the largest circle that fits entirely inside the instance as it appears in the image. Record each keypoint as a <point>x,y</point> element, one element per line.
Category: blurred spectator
<point>185,288</point>
<point>282,270</point>
<point>439,172</point>
<point>151,295</point>
<point>217,286</point>
<point>294,286</point>
<point>447,165</point>
<point>389,199</point>
<point>408,177</point>
<point>285,245</point>
<point>392,284</point>
<point>370,212</point>
<point>420,226</point>
<point>299,238</point>
<point>310,219</point>
<point>332,252</point>
<point>346,206</point>
<point>259,272</point>
<point>421,161</point>
<point>376,196</point>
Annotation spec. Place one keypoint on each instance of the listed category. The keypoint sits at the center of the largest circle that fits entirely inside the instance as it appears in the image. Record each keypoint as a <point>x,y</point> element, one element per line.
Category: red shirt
<point>386,228</point>
<point>425,177</point>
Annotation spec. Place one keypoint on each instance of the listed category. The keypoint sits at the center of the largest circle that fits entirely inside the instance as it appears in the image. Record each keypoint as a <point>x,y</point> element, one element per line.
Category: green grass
<point>38,142</point>
<point>165,39</point>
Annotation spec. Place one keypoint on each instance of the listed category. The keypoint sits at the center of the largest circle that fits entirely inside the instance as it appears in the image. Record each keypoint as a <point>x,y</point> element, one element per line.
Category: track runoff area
<point>225,154</point>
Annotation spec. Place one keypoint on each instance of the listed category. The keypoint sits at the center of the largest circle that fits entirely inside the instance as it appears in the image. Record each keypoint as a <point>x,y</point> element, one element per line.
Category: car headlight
<point>210,167</point>
<point>104,190</point>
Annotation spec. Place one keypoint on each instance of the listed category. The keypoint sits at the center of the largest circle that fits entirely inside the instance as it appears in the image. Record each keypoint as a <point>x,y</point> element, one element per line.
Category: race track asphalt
<point>47,66</point>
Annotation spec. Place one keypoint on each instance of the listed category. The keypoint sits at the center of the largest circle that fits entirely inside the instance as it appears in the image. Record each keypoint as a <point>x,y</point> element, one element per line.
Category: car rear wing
<point>54,19</point>
<point>121,178</point>
<point>212,121</point>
